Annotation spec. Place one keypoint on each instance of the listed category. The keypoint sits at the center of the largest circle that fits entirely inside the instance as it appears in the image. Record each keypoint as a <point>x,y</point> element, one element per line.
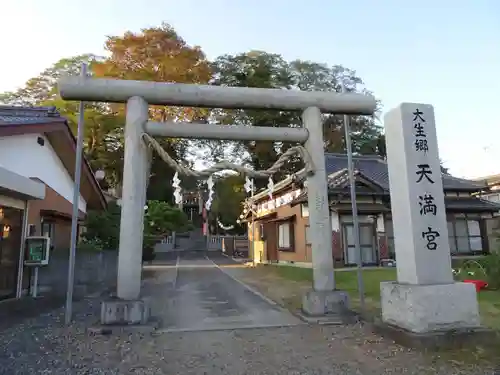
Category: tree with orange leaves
<point>158,54</point>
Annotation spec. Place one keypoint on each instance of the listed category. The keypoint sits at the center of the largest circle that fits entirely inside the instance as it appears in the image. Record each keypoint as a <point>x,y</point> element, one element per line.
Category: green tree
<point>158,54</point>
<point>255,69</point>
<point>228,199</point>
<point>43,88</point>
<point>103,136</point>
<point>161,219</point>
<point>262,69</point>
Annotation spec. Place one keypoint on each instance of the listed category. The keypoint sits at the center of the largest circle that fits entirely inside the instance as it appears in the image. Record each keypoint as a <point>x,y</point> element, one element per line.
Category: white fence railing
<point>215,242</point>
<point>166,244</point>
<point>167,240</point>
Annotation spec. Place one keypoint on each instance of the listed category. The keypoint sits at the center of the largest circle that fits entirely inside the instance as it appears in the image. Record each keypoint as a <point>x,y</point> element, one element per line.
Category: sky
<point>445,53</point>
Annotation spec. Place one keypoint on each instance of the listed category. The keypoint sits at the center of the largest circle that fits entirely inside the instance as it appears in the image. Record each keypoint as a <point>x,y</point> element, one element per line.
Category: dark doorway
<point>10,245</point>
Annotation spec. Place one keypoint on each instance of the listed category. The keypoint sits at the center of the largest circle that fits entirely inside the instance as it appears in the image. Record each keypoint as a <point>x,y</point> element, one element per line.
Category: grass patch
<point>287,284</point>
<point>489,300</point>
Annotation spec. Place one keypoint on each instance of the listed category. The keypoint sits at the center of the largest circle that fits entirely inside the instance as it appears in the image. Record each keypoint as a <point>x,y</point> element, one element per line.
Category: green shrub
<point>160,219</point>
<point>92,244</point>
<point>491,264</point>
<point>104,226</point>
<point>486,268</point>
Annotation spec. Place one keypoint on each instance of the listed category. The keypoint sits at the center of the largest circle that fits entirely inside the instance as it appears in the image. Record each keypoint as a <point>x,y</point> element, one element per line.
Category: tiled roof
<point>471,204</point>
<point>375,168</point>
<point>362,207</point>
<point>340,179</point>
<point>11,115</point>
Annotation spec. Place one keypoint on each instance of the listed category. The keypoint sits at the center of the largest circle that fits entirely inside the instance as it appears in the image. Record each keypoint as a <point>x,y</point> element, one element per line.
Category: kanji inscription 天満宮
<point>424,175</point>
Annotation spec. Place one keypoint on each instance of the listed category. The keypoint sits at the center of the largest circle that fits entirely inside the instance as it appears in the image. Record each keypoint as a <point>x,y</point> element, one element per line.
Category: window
<point>308,233</point>
<point>465,236</point>
<point>492,197</point>
<point>48,229</point>
<point>305,210</point>
<point>31,230</point>
<point>389,233</point>
<point>451,237</point>
<point>284,238</point>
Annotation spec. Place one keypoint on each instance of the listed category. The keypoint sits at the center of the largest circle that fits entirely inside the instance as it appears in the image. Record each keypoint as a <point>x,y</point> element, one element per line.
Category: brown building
<point>37,165</point>
<point>282,224</point>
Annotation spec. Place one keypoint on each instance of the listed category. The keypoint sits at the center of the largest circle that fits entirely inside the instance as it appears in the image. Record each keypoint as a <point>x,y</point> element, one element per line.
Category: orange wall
<point>302,251</point>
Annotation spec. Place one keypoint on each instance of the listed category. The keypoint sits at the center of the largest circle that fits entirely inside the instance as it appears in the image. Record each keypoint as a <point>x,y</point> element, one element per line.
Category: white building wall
<point>23,155</point>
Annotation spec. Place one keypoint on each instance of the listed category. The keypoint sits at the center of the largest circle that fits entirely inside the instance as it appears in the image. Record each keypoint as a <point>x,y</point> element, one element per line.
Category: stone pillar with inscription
<point>425,298</point>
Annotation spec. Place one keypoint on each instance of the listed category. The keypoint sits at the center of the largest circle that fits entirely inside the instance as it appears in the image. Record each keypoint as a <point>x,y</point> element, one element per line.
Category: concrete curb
<point>221,328</point>
<point>237,260</point>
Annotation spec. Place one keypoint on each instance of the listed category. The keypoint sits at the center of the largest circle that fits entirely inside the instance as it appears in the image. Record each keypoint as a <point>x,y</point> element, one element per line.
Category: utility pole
<point>354,206</point>
<point>76,199</point>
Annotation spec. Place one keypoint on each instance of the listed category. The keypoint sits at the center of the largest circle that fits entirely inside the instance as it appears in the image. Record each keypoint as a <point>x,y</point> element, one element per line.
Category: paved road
<point>205,297</point>
<point>167,258</point>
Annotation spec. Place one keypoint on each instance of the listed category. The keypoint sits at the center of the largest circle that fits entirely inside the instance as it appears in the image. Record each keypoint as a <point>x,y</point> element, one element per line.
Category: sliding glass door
<point>366,241</point>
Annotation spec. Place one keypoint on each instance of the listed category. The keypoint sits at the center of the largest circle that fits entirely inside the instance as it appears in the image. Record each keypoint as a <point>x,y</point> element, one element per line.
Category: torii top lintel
<point>162,93</point>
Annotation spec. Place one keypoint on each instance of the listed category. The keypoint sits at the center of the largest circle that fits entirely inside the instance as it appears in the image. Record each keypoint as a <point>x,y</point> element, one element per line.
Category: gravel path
<point>44,346</point>
<point>35,348</point>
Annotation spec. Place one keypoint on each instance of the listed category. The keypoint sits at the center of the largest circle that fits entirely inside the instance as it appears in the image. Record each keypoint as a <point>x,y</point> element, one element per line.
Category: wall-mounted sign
<point>277,202</point>
<point>37,251</point>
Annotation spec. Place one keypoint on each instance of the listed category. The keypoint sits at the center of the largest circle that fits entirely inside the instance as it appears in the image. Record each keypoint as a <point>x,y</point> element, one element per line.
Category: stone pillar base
<point>321,303</point>
<point>430,308</point>
<point>124,312</point>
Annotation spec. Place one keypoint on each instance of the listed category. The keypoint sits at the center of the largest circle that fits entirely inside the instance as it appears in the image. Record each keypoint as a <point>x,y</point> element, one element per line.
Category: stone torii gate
<point>128,308</point>
<point>424,299</point>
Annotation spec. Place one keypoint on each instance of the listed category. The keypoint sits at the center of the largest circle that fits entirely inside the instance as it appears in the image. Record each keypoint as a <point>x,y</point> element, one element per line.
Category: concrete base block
<point>438,340</point>
<point>430,308</point>
<point>123,312</point>
<point>320,303</point>
<point>105,330</point>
